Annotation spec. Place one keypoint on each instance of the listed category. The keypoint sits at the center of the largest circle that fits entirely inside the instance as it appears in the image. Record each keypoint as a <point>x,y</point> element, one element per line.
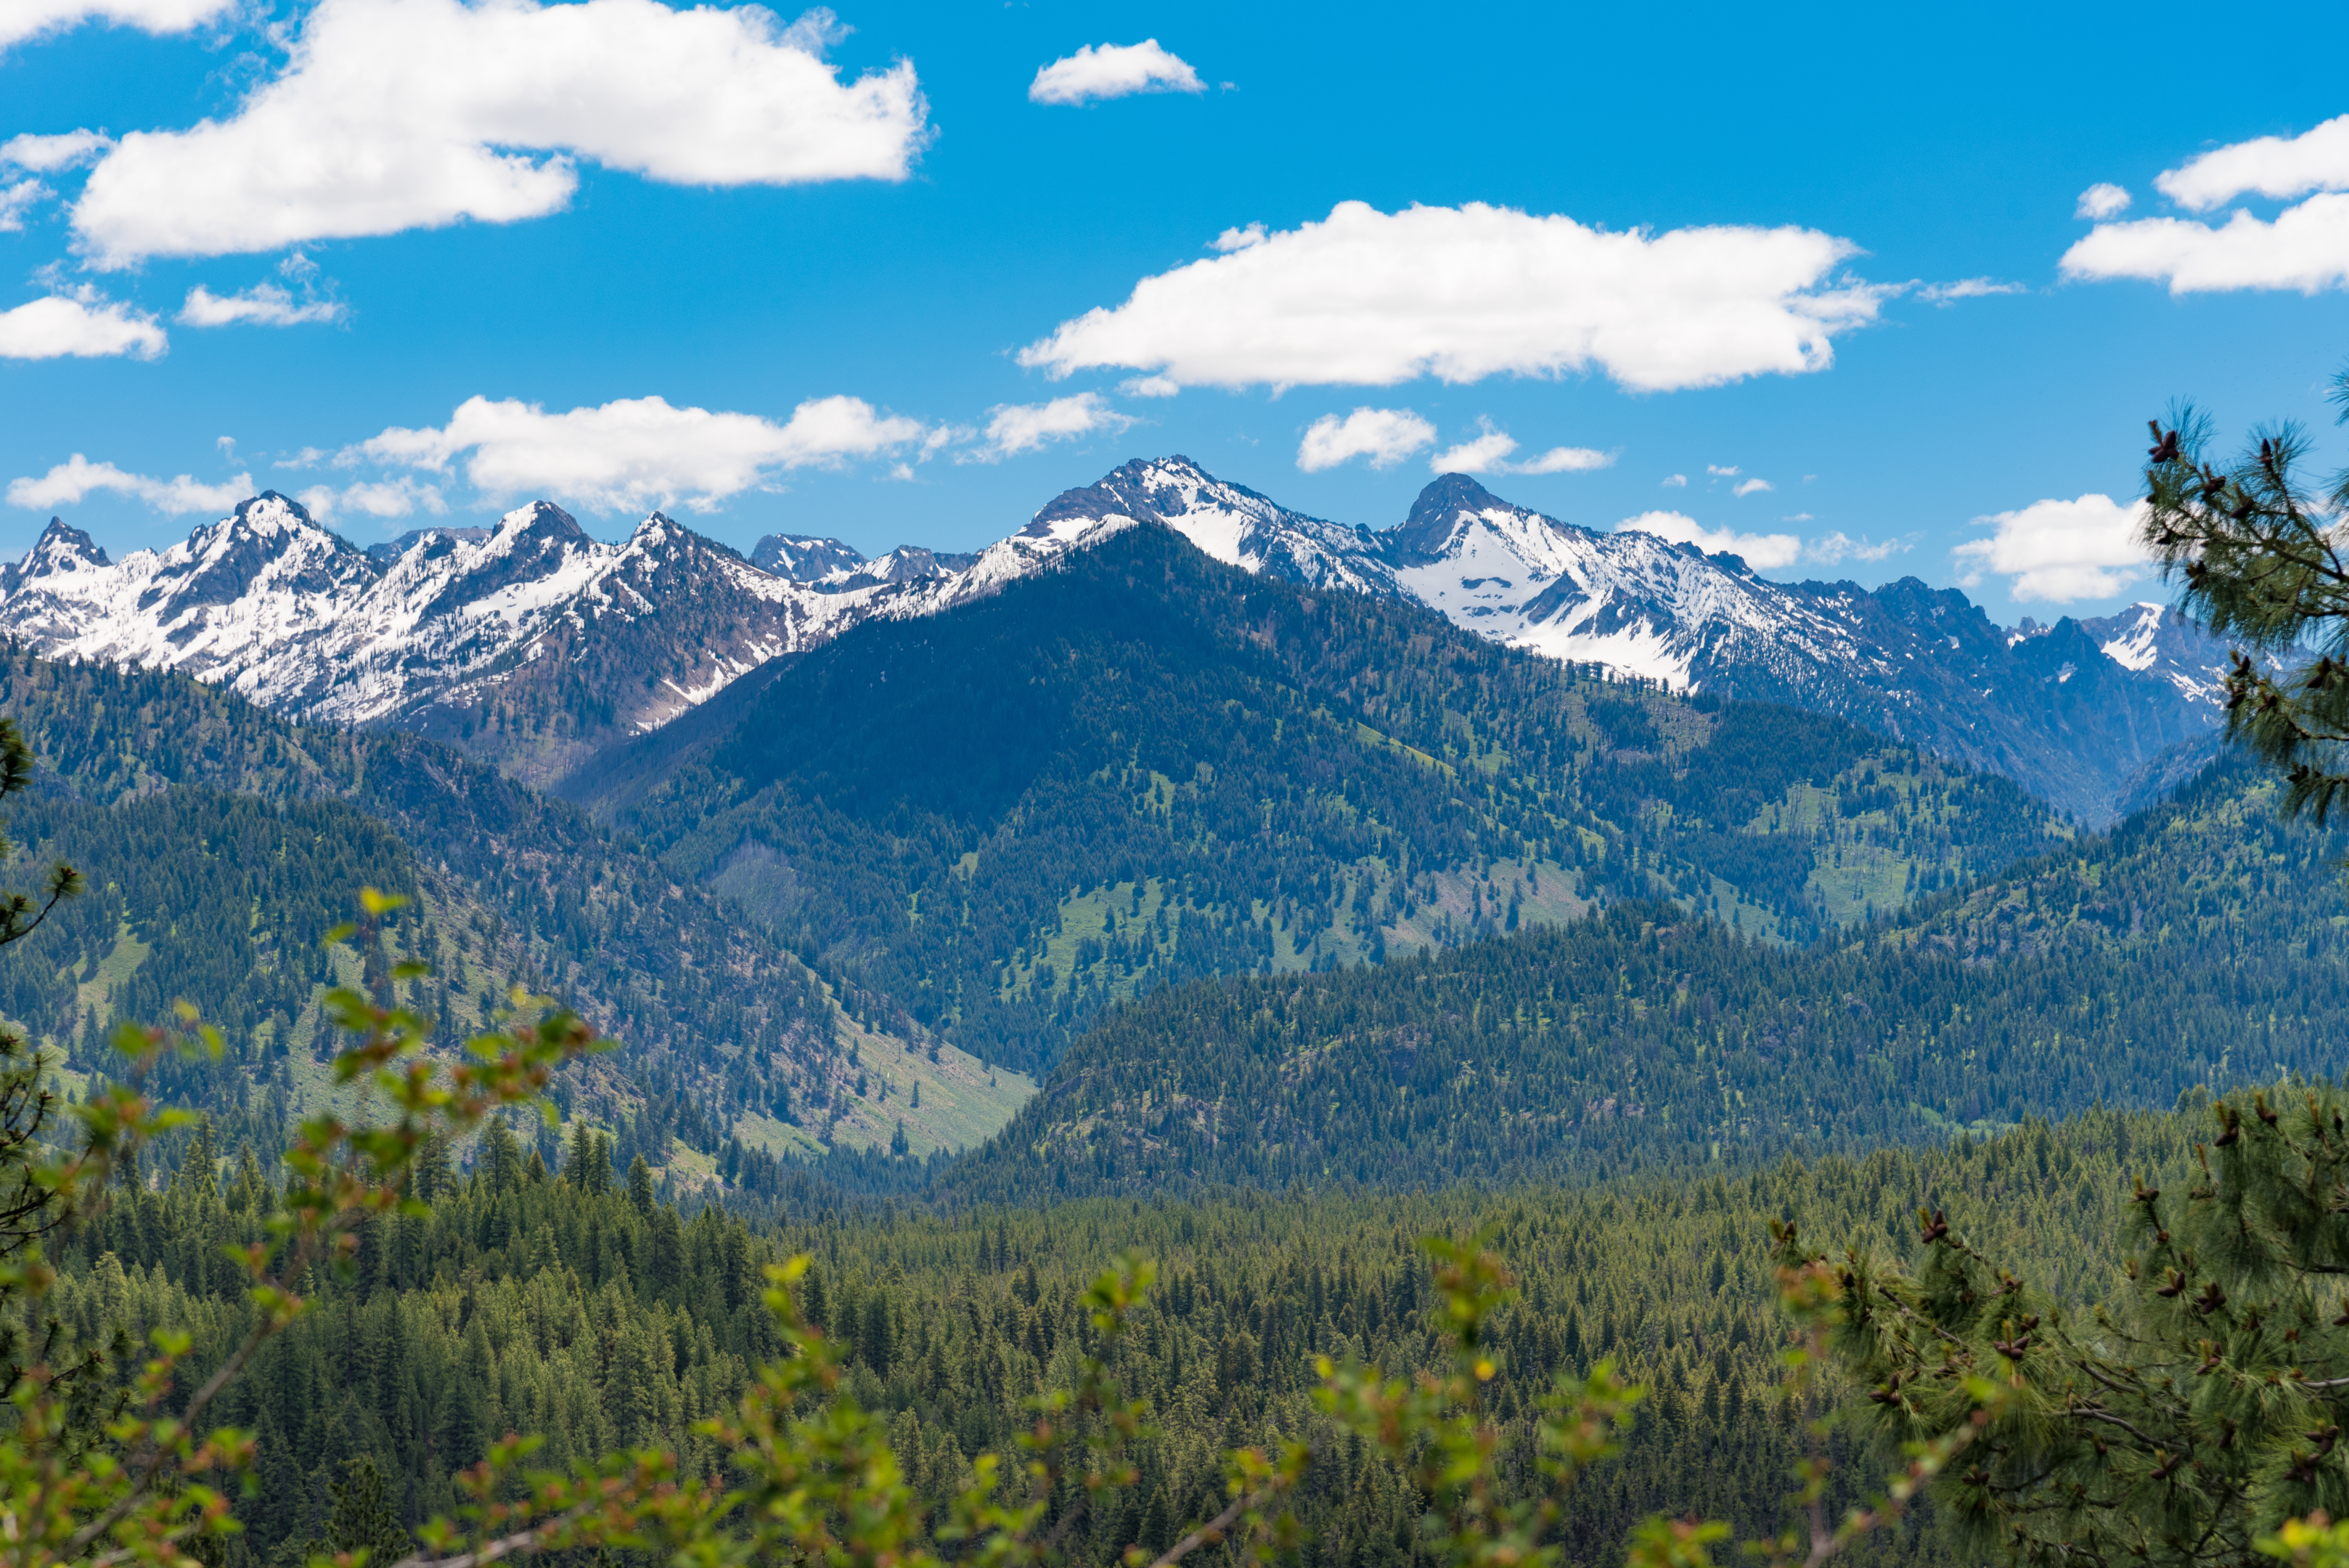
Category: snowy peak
<point>803,559</point>
<point>1444,508</point>
<point>270,545</point>
<point>2157,641</point>
<point>534,644</point>
<point>436,543</point>
<point>1229,522</point>
<point>61,548</point>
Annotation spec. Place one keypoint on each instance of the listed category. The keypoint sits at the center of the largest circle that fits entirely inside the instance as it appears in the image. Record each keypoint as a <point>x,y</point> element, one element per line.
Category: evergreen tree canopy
<point>2260,560</point>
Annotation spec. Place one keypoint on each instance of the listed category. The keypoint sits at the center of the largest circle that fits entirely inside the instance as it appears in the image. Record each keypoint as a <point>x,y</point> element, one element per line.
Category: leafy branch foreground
<point>809,1476</point>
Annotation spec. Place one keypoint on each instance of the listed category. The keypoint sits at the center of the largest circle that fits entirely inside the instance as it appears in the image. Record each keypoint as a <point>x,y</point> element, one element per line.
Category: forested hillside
<point>2202,943</point>
<point>1143,766</point>
<point>220,842</point>
<point>570,1304</point>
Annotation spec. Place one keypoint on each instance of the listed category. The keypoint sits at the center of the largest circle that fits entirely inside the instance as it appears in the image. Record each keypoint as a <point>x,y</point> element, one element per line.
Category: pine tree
<point>2259,558</point>
<point>579,1158</point>
<point>362,1521</point>
<point>2177,1426</point>
<point>640,1185</point>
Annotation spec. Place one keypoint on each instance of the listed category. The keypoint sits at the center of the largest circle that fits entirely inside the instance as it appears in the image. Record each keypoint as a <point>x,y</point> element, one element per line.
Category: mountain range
<point>535,647</point>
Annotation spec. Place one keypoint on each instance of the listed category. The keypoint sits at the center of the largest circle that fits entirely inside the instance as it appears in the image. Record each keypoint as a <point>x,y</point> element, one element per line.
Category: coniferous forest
<point>1241,935</point>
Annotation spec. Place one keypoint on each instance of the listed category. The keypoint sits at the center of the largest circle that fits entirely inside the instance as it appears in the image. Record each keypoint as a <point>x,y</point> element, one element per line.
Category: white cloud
<point>1675,481</point>
<point>1482,455</point>
<point>1149,387</point>
<point>1232,240</point>
<point>2059,551</point>
<point>403,114</point>
<point>1750,486</point>
<point>1112,70</point>
<point>638,451</point>
<point>81,325</point>
<point>1372,298</point>
<point>1564,459</point>
<point>1714,469</point>
<point>400,497</point>
<point>1944,293</point>
<point>17,200</point>
<point>1385,436</point>
<point>50,154</point>
<point>2100,201</point>
<point>1489,454</point>
<point>265,304</point>
<point>1762,552</point>
<point>2272,166</point>
<point>68,482</point>
<point>1015,427</point>
<point>2304,247</point>
<point>23,19</point>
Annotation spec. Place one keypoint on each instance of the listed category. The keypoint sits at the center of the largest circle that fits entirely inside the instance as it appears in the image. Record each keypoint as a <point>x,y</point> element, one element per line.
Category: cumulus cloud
<point>80,325</point>
<point>1385,436</point>
<point>69,482</point>
<point>2100,201</point>
<point>1112,70</point>
<point>1372,298</point>
<point>2276,166</point>
<point>400,497</point>
<point>23,19</point>
<point>1748,487</point>
<point>2304,247</point>
<point>1489,454</point>
<point>265,304</point>
<point>1762,552</point>
<point>1675,481</point>
<point>49,155</point>
<point>2059,551</point>
<point>1714,469</point>
<point>1015,428</point>
<point>1481,455</point>
<point>405,114</point>
<point>637,452</point>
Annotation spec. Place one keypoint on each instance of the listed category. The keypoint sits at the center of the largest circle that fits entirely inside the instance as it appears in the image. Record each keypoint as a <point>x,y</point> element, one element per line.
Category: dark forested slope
<point>2202,943</point>
<point>1144,766</point>
<point>220,842</point>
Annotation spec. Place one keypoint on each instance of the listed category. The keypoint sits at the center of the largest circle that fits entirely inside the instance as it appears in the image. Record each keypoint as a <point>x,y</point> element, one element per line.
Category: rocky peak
<point>803,557</point>
<point>62,547</point>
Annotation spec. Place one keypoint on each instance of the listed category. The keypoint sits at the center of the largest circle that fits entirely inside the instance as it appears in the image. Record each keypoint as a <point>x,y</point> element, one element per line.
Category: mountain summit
<point>536,646</point>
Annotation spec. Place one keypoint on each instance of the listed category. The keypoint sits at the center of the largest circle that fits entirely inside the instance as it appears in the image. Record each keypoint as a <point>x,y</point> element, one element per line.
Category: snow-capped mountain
<point>2072,710</point>
<point>534,645</point>
<point>529,642</point>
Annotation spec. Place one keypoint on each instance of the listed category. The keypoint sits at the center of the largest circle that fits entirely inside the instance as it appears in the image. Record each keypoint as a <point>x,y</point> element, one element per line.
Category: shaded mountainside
<point>221,841</point>
<point>1144,766</point>
<point>2203,943</point>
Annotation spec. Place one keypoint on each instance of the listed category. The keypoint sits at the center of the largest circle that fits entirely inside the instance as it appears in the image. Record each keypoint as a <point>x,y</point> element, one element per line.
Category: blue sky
<point>910,275</point>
